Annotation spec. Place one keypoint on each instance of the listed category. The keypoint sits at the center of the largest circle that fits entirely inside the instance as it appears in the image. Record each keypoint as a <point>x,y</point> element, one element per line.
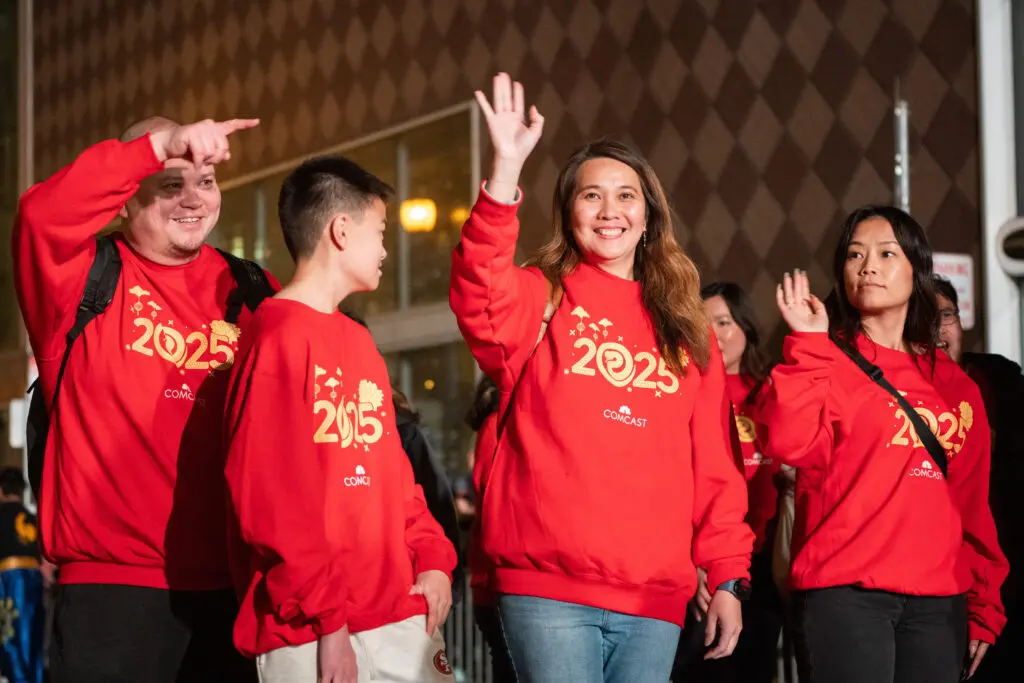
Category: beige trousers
<point>395,653</point>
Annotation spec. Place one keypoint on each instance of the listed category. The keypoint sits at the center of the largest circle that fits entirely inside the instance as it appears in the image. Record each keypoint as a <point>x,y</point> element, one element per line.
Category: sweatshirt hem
<point>640,601</point>
<point>293,637</point>
<point>145,577</point>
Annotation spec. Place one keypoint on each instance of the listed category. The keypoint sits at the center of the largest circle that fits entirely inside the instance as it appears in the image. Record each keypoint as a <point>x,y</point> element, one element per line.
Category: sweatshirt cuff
<point>516,201</point>
<point>815,344</point>
<point>727,570</point>
<point>976,631</point>
<point>333,622</point>
<point>440,560</point>
<point>139,155</point>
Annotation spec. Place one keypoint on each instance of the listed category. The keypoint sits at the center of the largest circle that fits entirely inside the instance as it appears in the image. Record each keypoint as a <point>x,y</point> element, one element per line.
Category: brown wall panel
<point>767,121</point>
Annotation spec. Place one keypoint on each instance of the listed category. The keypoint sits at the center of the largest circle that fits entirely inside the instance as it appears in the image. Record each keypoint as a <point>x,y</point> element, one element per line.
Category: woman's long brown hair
<point>669,281</point>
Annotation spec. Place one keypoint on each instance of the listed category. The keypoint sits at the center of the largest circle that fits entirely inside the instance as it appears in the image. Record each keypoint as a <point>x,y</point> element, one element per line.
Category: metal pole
<point>26,172</point>
<point>901,170</point>
<point>402,242</point>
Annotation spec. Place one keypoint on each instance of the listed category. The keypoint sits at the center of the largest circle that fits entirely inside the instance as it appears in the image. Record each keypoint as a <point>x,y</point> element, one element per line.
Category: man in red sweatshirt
<point>346,575</point>
<point>132,505</point>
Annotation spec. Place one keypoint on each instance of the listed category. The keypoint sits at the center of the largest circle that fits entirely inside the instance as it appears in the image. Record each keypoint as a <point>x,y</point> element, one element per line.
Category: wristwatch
<point>738,587</point>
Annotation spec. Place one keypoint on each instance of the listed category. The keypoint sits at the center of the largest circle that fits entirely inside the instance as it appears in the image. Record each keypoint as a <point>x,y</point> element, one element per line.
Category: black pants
<point>756,655</point>
<point>866,636</point>
<point>490,626</point>
<point>128,634</point>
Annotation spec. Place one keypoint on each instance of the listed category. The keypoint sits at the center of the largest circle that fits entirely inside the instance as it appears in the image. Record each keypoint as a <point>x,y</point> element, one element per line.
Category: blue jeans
<point>559,642</point>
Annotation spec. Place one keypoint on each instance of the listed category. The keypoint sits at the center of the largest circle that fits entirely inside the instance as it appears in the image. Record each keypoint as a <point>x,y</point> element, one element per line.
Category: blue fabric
<point>560,642</point>
<point>22,621</point>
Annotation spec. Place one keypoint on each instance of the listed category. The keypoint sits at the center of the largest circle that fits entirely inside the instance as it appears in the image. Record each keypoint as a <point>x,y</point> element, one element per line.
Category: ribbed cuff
<point>720,572</point>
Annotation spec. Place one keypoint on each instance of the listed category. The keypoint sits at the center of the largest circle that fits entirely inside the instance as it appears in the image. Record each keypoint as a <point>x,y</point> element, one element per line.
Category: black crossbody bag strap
<point>931,443</point>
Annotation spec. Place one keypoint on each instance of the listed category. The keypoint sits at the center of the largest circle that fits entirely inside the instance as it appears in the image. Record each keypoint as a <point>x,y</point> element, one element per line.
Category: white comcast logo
<point>757,460</point>
<point>926,470</point>
<point>185,393</point>
<point>625,416</point>
<point>361,478</point>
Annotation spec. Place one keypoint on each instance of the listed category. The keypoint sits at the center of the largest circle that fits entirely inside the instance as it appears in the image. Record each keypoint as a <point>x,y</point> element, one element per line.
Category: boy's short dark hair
<point>318,189</point>
<point>12,481</point>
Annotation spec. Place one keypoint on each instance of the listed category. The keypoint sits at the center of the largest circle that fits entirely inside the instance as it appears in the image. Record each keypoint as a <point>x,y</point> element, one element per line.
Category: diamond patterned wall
<point>766,121</point>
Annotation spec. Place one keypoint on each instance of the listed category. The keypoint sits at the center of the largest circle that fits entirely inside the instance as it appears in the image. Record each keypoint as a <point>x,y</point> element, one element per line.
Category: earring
<point>643,238</point>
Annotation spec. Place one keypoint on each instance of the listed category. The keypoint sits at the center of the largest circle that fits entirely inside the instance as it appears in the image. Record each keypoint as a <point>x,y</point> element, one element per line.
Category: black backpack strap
<point>924,433</point>
<point>252,286</point>
<point>100,285</point>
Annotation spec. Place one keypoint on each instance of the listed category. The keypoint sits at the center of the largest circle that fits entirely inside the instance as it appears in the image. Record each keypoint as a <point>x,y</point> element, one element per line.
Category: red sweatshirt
<point>878,513</point>
<point>760,471</point>
<point>133,487</point>
<point>483,458</point>
<point>612,475</point>
<point>333,528</point>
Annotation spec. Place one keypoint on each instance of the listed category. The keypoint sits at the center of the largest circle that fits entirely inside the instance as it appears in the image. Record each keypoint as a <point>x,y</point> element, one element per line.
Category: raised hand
<point>511,138</point>
<point>801,310</point>
<point>205,142</point>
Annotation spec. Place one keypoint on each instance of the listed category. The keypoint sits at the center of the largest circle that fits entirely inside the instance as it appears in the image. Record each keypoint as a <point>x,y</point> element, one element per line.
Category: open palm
<point>801,310</point>
<point>511,138</point>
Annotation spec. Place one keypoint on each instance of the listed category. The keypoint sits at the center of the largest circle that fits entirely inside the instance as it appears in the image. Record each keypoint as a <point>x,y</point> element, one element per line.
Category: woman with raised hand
<point>894,544</point>
<point>612,476</point>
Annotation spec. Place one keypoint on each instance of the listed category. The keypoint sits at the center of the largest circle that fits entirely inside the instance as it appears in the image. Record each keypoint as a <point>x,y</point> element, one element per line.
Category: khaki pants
<point>395,653</point>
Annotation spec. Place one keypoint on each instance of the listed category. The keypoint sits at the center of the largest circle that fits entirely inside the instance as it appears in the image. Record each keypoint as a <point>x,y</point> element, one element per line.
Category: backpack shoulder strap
<point>252,286</point>
<point>924,433</point>
<point>100,285</point>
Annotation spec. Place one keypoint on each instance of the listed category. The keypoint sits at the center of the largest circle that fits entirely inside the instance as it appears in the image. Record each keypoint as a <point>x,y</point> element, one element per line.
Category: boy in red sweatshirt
<point>345,575</point>
<point>132,504</point>
<point>898,560</point>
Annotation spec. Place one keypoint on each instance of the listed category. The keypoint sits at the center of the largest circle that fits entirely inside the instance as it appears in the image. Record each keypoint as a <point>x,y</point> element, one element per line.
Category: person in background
<point>897,556</point>
<point>345,573</point>
<point>431,477</point>
<point>483,420</point>
<point>22,617</point>
<point>746,371</point>
<point>1002,390</point>
<point>612,477</point>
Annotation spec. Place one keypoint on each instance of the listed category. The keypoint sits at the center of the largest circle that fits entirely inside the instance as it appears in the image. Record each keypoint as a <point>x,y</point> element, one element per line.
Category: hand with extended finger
<point>801,310</point>
<point>511,137</point>
<point>205,142</point>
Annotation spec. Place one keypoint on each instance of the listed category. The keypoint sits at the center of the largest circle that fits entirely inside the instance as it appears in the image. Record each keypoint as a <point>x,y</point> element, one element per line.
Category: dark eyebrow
<point>621,187</point>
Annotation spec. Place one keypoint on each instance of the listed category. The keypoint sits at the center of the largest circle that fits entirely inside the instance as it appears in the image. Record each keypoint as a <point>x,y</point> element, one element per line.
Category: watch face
<point>742,589</point>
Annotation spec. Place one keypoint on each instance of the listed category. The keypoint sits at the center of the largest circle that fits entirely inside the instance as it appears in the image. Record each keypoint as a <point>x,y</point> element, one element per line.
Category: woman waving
<point>612,476</point>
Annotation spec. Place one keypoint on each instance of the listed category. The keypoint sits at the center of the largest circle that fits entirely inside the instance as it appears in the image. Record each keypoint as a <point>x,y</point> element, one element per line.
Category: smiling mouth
<point>188,220</point>
<point>610,233</point>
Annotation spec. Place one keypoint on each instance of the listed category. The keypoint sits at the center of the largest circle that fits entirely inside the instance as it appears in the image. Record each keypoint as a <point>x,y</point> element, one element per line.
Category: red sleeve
<point>722,541</point>
<point>797,410</point>
<point>280,502</point>
<point>969,473</point>
<point>430,548</point>
<point>52,239</point>
<point>499,306</point>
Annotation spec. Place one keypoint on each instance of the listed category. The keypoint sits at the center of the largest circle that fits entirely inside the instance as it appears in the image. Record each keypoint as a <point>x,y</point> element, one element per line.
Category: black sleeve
<point>432,479</point>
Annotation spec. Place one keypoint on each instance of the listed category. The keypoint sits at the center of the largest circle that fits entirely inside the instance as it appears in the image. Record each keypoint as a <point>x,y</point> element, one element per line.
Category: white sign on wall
<point>959,270</point>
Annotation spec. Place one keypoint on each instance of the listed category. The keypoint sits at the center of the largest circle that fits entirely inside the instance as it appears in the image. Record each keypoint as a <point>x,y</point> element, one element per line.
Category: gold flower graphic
<point>225,329</point>
<point>370,395</point>
<point>966,414</point>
